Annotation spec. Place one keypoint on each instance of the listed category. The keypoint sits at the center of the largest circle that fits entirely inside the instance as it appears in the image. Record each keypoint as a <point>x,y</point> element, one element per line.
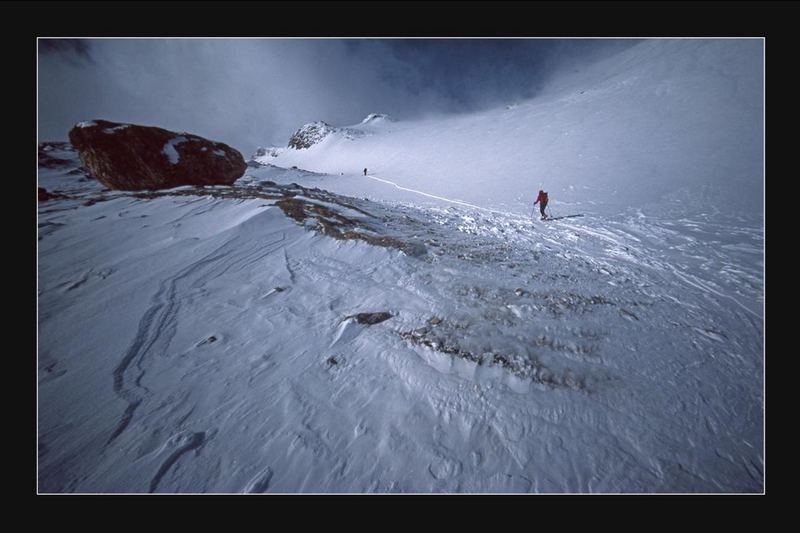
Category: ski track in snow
<point>442,198</point>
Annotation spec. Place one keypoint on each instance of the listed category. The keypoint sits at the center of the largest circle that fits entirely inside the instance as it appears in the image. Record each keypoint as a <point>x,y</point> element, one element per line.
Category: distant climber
<point>365,171</point>
<point>542,201</point>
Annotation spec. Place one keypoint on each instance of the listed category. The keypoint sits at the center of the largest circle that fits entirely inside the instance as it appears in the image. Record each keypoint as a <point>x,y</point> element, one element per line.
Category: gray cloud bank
<point>250,92</point>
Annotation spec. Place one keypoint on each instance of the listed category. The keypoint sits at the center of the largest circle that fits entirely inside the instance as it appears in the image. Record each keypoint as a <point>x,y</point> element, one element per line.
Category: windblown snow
<point>416,330</point>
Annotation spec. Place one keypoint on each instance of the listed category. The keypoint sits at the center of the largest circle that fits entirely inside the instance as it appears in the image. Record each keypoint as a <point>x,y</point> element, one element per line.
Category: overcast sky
<point>256,92</point>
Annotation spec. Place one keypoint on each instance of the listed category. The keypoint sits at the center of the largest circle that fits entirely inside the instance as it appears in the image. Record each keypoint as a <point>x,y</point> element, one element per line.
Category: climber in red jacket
<point>542,201</point>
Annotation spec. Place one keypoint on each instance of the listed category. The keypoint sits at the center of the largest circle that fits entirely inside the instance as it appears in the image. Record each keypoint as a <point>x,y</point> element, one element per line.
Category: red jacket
<point>541,198</point>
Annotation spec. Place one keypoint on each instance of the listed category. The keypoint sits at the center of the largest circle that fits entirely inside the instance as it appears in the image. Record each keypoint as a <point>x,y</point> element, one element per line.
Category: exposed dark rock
<point>371,318</point>
<point>377,117</point>
<point>310,134</point>
<point>44,195</point>
<point>270,151</point>
<point>306,211</point>
<point>338,226</point>
<point>47,159</point>
<point>524,367</point>
<point>209,340</point>
<point>314,132</point>
<point>131,157</point>
<point>561,302</point>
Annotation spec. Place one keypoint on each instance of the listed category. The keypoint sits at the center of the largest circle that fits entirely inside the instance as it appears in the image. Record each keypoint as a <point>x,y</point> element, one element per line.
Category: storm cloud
<point>255,92</point>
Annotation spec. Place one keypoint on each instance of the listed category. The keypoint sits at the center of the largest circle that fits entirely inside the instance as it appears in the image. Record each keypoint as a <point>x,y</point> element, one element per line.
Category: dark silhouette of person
<point>542,201</point>
<point>365,171</point>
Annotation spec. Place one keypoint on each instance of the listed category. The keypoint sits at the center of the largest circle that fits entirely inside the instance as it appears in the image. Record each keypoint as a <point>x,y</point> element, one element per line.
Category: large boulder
<point>131,158</point>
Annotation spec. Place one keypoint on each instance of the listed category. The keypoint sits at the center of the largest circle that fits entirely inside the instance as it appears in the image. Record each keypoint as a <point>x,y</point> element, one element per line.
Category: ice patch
<point>86,124</point>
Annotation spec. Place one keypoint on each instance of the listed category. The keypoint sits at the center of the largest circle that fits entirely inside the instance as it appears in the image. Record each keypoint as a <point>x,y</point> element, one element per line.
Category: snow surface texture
<point>201,340</point>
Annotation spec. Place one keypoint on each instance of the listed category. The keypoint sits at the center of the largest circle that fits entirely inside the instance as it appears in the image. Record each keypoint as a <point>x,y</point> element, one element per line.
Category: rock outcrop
<point>131,157</point>
<point>270,151</point>
<point>265,156</point>
<point>310,134</point>
<point>376,118</point>
<point>314,132</point>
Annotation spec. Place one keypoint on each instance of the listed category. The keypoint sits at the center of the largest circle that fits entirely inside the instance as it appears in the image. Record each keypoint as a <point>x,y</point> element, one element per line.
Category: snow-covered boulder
<point>131,157</point>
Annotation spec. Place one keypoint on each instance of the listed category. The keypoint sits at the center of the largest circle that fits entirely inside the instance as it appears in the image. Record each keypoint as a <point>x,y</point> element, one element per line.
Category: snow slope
<point>663,117</point>
<point>200,344</point>
<point>208,340</point>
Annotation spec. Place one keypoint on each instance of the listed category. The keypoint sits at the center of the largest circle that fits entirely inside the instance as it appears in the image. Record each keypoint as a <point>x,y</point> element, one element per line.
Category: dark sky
<point>256,92</point>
